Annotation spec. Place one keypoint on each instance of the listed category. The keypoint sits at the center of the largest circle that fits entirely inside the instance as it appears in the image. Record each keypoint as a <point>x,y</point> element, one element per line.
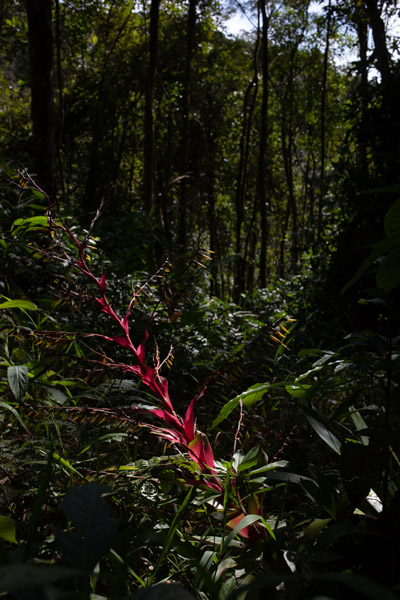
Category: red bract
<point>176,430</point>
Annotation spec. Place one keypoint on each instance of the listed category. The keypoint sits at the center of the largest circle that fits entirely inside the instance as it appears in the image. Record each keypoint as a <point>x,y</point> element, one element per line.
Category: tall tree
<point>149,143</point>
<point>261,189</point>
<point>40,31</point>
<point>183,198</point>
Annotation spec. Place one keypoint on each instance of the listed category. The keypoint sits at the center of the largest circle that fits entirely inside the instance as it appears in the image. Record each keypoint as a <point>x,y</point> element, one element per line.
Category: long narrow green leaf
<point>247,520</point>
<point>37,506</point>
<point>249,397</point>
<point>15,413</point>
<point>171,533</point>
<point>22,304</point>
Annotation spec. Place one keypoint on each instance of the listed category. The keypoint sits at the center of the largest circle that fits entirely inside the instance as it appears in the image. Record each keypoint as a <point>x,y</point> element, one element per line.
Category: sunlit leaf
<point>254,394</point>
<point>7,529</point>
<point>22,304</point>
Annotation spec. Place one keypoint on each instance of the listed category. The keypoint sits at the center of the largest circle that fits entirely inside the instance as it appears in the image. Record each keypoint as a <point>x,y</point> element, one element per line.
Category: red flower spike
<point>171,420</point>
<point>200,451</point>
<point>141,347</point>
<point>125,323</point>
<point>159,388</point>
<point>122,341</point>
<point>102,283</point>
<point>188,423</point>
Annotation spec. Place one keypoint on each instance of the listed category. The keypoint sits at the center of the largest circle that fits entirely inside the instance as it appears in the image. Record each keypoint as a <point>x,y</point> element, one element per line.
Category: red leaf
<point>102,283</point>
<point>125,323</point>
<point>160,388</point>
<point>189,419</point>
<point>122,341</point>
<point>141,347</point>
<point>170,419</point>
<point>188,423</point>
<point>200,451</point>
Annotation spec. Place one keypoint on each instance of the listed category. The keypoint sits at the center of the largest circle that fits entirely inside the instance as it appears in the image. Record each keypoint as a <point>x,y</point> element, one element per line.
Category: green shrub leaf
<point>7,529</point>
<point>18,379</point>
<point>22,304</point>
<point>89,513</point>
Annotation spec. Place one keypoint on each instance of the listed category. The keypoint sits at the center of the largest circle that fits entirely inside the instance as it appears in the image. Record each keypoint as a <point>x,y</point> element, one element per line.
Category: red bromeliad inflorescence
<point>177,430</point>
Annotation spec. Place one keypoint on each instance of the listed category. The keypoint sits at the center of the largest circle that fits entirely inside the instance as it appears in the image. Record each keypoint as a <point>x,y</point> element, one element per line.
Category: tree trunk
<point>323,121</point>
<point>362,138</point>
<point>378,32</point>
<point>149,144</point>
<point>40,31</point>
<point>262,153</point>
<point>242,179</point>
<point>183,197</point>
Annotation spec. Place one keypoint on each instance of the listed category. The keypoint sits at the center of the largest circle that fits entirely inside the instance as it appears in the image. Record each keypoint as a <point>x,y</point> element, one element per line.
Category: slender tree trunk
<point>242,178</point>
<point>149,143</point>
<point>40,31</point>
<point>377,25</point>
<point>262,153</point>
<point>323,121</point>
<point>287,151</point>
<point>362,31</point>
<point>183,198</point>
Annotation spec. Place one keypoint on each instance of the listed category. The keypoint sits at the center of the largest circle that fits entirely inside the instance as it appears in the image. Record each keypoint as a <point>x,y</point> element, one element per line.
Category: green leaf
<point>314,529</point>
<point>14,412</point>
<point>29,223</point>
<point>298,390</point>
<point>245,522</point>
<point>19,576</point>
<point>7,529</point>
<point>162,591</point>
<point>88,511</point>
<point>249,397</point>
<point>388,273</point>
<point>378,250</point>
<point>392,220</point>
<point>327,436</point>
<point>22,304</point>
<point>18,380</point>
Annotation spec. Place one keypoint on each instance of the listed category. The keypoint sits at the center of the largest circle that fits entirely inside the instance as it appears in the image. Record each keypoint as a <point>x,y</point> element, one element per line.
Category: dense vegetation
<point>199,301</point>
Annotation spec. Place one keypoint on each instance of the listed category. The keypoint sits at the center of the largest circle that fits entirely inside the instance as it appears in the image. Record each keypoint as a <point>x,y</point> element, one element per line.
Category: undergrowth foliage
<point>86,425</point>
<point>177,430</point>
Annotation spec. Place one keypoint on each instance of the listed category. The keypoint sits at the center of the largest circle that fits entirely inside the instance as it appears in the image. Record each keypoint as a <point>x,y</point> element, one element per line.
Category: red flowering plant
<point>178,430</point>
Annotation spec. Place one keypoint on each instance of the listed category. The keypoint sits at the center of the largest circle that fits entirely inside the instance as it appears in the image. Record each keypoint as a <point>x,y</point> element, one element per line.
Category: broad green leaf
<point>278,464</point>
<point>17,576</point>
<point>327,436</point>
<point>56,395</point>
<point>18,379</point>
<point>359,423</point>
<point>162,591</point>
<point>298,390</point>
<point>89,513</point>
<point>249,397</point>
<point>7,529</point>
<point>392,220</point>
<point>378,250</point>
<point>315,528</point>
<point>388,273</point>
<point>245,522</point>
<point>22,304</point>
<point>29,223</point>
<point>363,586</point>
